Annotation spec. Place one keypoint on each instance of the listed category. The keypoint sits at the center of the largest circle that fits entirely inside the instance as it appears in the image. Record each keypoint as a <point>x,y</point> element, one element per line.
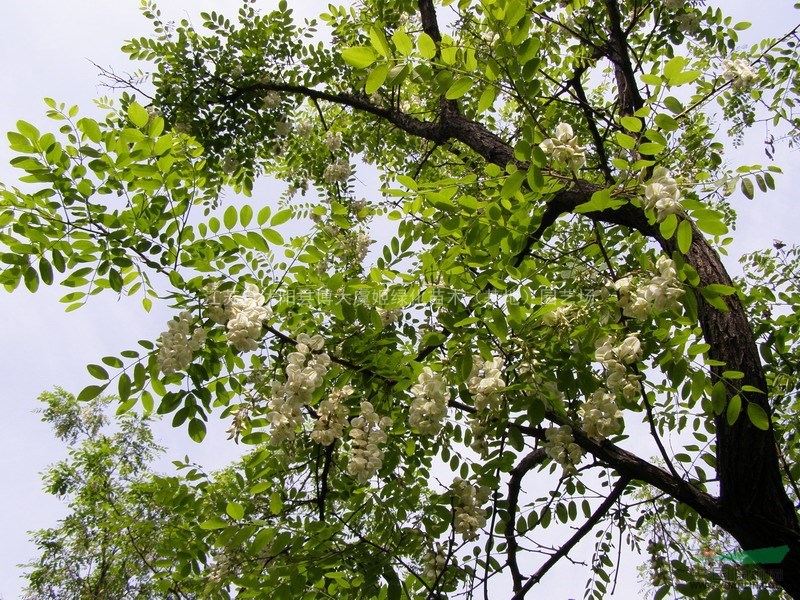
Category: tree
<point>548,186</point>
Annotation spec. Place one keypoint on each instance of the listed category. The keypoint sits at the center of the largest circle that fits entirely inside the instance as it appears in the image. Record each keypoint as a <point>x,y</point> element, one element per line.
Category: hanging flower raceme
<point>561,447</point>
<point>601,416</point>
<point>740,73</point>
<point>434,561</point>
<point>662,195</point>
<point>333,140</point>
<point>338,171</point>
<point>177,344</point>
<point>272,99</point>
<point>615,360</point>
<point>332,417</point>
<point>429,407</point>
<point>304,374</point>
<point>486,383</point>
<point>368,434</point>
<point>244,315</point>
<point>564,147</point>
<point>659,294</point>
<point>467,504</point>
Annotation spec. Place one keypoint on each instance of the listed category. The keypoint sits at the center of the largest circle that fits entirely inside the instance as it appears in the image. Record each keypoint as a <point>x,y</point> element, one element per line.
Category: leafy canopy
<point>493,275</point>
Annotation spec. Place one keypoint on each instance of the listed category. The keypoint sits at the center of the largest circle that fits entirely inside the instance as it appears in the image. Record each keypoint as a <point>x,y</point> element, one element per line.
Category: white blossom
<point>332,417</point>
<point>283,128</point>
<point>429,407</point>
<point>247,316</point>
<point>333,140</point>
<point>304,129</point>
<point>662,195</point>
<point>486,383</point>
<point>468,502</point>
<point>389,315</point>
<point>272,99</point>
<point>561,447</point>
<point>367,434</point>
<point>177,344</point>
<point>434,561</point>
<point>305,372</point>
<point>600,415</point>
<point>338,171</point>
<point>740,72</point>
<point>564,147</point>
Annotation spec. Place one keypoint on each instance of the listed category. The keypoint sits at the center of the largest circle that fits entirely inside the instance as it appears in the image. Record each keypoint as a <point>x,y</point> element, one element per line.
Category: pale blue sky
<point>45,47</point>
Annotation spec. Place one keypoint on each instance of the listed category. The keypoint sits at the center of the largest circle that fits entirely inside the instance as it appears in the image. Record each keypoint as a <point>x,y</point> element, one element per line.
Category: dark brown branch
<point>598,514</point>
<point>529,462</point>
<point>630,100</point>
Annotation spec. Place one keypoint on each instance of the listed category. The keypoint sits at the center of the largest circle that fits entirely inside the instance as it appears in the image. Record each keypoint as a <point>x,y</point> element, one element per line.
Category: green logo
<point>748,557</point>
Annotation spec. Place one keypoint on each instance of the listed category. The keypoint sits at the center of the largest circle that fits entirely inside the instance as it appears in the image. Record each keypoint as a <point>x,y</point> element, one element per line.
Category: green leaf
<point>650,148</point>
<point>281,217</point>
<point>747,188</point>
<point>376,78</point>
<point>426,46</point>
<point>631,124</point>
<point>719,397</point>
<point>229,217</point>
<point>246,215</point>
<point>402,42</point>
<point>31,278</point>
<point>235,511</point>
<point>213,523</point>
<point>734,408</point>
<point>124,386</point>
<point>138,114</point>
<point>275,503</point>
<point>684,236</point>
<point>97,372</point>
<point>459,87</point>
<point>757,416</point>
<point>624,140</point>
<point>359,57</point>
<point>90,392</point>
<point>378,40</point>
<point>668,225</point>
<point>197,430</point>
<point>487,99</point>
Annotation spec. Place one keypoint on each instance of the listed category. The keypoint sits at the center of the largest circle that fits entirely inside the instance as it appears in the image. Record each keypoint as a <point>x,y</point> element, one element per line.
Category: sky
<point>45,51</point>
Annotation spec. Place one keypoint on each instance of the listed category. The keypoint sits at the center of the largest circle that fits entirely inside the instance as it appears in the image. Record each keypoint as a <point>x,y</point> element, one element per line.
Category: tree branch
<point>598,514</point>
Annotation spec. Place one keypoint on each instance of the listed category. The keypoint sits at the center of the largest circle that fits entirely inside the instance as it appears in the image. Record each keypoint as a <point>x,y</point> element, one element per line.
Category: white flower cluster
<point>304,129</point>
<point>177,344</point>
<point>662,195</point>
<point>564,147</point>
<point>368,433</point>
<point>272,99</point>
<point>389,315</point>
<point>559,317</point>
<point>332,417</point>
<point>615,358</point>
<point>740,72</point>
<point>661,293</point>
<point>240,423</point>
<point>429,407</point>
<point>304,374</point>
<point>337,171</point>
<point>333,140</point>
<point>247,315</point>
<point>469,516</point>
<point>486,383</point>
<point>561,447</point>
<point>601,416</point>
<point>434,561</point>
<point>283,128</point>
